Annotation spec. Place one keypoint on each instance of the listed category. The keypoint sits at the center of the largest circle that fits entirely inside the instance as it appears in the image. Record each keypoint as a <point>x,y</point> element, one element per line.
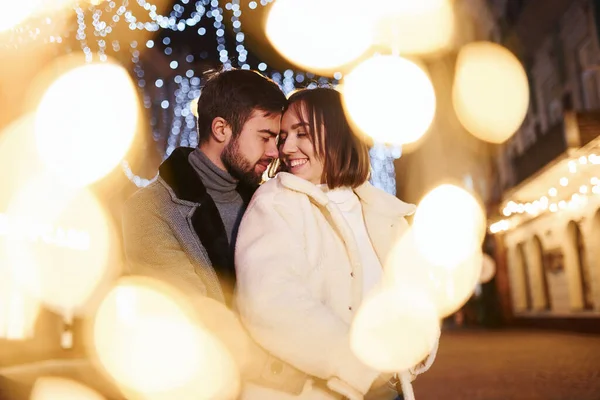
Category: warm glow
<point>564,181</point>
<point>395,329</point>
<point>491,91</point>
<point>488,270</point>
<point>146,338</point>
<point>449,226</point>
<point>53,388</point>
<point>319,35</point>
<point>58,241</point>
<point>390,98</point>
<point>18,309</point>
<point>448,286</point>
<point>15,12</point>
<point>194,107</point>
<point>413,27</point>
<point>86,122</point>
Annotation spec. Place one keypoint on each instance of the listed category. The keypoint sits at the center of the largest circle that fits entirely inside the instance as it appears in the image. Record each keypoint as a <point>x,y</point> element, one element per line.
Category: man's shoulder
<point>151,196</point>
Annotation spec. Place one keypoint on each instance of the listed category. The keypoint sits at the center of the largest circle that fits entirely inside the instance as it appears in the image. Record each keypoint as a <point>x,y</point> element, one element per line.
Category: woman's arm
<point>276,305</point>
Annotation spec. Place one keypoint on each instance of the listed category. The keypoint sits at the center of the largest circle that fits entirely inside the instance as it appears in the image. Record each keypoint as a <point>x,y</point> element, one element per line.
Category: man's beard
<point>238,166</point>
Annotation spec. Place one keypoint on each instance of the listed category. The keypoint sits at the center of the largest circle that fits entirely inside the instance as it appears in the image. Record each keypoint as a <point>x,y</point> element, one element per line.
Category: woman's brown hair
<point>345,156</point>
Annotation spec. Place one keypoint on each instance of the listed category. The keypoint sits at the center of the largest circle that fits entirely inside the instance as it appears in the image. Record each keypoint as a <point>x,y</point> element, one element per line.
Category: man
<point>182,228</point>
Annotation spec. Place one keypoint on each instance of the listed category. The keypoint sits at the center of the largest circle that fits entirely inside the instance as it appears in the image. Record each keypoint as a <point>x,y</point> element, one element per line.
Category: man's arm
<point>153,250</point>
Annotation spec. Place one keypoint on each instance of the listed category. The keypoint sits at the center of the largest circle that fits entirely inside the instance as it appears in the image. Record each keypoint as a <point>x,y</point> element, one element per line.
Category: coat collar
<point>177,172</point>
<point>180,176</point>
<point>376,199</point>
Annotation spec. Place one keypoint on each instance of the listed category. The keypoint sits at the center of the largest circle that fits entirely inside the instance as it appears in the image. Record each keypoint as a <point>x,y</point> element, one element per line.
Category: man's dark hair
<point>233,95</point>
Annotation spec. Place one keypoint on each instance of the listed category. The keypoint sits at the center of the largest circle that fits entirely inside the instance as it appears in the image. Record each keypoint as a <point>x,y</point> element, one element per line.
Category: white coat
<point>299,277</point>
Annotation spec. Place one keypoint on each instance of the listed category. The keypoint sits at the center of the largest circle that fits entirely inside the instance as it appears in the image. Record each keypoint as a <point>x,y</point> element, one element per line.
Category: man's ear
<point>220,130</point>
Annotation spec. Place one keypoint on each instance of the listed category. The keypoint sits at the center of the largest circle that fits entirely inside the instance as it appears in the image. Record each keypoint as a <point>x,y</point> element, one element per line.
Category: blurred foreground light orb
<point>64,245</point>
<point>490,92</point>
<point>318,35</point>
<point>449,225</point>
<point>414,27</point>
<point>395,329</point>
<point>488,269</point>
<point>86,121</point>
<point>147,339</point>
<point>449,286</point>
<point>390,99</point>
<point>53,388</point>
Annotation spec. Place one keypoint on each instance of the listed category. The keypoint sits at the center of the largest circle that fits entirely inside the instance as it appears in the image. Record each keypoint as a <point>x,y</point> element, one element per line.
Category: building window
<point>582,265</point>
<point>590,75</point>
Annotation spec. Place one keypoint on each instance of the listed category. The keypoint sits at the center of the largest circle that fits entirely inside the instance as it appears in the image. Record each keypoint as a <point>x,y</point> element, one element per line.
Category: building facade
<point>547,222</point>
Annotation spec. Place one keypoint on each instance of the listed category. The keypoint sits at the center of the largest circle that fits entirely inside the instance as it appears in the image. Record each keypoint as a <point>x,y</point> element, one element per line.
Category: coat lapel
<point>205,219</point>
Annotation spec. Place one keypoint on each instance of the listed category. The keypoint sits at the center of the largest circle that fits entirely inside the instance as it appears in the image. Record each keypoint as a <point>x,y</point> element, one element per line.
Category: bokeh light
<point>449,225</point>
<point>53,388</point>
<point>194,107</point>
<point>414,27</point>
<point>488,269</point>
<point>59,242</point>
<point>389,98</point>
<point>147,339</point>
<point>448,286</point>
<point>15,12</point>
<point>320,35</point>
<point>86,122</point>
<point>395,329</point>
<point>490,92</point>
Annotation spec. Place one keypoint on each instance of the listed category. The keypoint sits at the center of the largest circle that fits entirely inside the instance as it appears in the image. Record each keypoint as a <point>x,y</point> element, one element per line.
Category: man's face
<point>247,156</point>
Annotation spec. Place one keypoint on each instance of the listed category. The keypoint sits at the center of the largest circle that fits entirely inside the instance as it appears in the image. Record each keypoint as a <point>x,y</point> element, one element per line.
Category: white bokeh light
<point>86,121</point>
<point>490,92</point>
<point>319,35</point>
<point>390,98</point>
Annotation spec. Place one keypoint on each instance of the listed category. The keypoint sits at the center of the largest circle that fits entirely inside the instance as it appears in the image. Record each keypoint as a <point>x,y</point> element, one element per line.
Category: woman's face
<point>296,148</point>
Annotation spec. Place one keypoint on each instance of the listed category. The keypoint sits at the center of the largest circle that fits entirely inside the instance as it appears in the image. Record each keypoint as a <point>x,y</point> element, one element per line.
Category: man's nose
<point>272,151</point>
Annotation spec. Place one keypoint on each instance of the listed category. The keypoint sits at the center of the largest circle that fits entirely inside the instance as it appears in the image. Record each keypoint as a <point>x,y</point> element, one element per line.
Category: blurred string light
<point>563,195</point>
<point>97,43</point>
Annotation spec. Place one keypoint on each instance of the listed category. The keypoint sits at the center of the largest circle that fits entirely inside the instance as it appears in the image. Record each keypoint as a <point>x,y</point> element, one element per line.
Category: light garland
<point>175,112</point>
<point>520,212</point>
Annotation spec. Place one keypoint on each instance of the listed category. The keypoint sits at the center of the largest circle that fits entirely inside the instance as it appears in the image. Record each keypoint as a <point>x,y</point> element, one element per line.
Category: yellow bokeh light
<point>58,242</point>
<point>448,287</point>
<point>53,388</point>
<point>18,309</point>
<point>15,12</point>
<point>319,35</point>
<point>147,339</point>
<point>449,225</point>
<point>414,27</point>
<point>395,329</point>
<point>86,121</point>
<point>390,98</point>
<point>194,107</point>
<point>490,92</point>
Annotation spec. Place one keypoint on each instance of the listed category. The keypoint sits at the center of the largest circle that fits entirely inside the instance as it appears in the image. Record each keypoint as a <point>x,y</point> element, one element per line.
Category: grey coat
<point>173,231</point>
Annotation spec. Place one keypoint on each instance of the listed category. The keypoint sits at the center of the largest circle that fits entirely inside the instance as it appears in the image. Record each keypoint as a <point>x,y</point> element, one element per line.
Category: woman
<point>311,246</point>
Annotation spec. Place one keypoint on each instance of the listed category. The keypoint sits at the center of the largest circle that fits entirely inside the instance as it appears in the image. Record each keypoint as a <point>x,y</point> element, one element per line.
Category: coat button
<point>350,308</point>
<point>276,367</point>
<point>352,274</point>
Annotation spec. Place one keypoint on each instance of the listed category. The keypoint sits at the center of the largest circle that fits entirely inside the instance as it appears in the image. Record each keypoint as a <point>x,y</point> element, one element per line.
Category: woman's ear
<point>220,130</point>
